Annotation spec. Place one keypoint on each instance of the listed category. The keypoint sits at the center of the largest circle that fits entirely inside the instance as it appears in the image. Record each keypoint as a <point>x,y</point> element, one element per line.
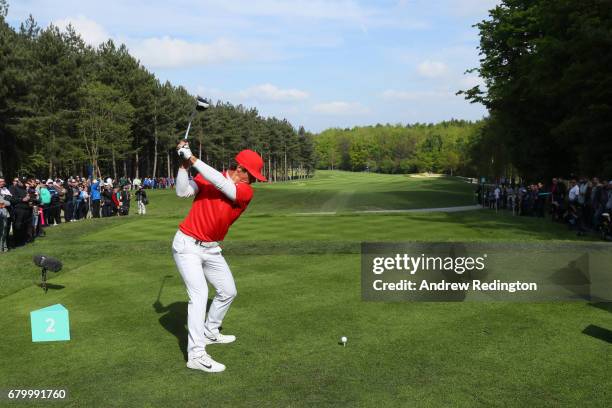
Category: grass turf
<point>298,281</point>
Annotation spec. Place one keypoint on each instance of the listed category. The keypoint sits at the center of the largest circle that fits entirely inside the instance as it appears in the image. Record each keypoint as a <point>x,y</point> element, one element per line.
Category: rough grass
<point>298,281</point>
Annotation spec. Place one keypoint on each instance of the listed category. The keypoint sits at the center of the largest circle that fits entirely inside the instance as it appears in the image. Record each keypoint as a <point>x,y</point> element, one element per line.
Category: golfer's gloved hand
<point>184,152</point>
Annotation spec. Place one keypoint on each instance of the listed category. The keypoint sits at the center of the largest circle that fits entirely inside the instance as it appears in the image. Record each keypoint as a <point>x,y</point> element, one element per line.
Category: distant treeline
<point>66,107</point>
<point>446,147</point>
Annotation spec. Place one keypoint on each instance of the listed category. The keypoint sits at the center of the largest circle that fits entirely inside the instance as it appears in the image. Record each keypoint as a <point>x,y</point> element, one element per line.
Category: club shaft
<point>193,113</point>
<point>160,288</point>
<point>187,132</point>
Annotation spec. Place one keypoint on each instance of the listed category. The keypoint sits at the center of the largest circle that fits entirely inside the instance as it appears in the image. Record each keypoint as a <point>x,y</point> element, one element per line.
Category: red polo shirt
<point>212,212</point>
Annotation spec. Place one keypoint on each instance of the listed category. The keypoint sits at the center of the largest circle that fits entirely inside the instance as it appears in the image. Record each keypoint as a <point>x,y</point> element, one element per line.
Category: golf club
<point>201,105</point>
<point>162,286</point>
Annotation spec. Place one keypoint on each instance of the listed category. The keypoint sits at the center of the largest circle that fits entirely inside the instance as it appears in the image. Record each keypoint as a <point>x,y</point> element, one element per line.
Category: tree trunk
<point>285,170</point>
<point>137,165</point>
<point>269,168</point>
<point>155,154</point>
<point>168,159</point>
<point>114,165</point>
<point>97,168</point>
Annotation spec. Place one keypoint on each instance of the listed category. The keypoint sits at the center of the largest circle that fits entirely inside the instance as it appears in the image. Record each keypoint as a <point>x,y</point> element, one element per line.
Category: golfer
<point>219,200</point>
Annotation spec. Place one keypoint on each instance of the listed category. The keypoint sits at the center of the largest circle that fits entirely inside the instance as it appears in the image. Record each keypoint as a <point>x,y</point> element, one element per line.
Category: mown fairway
<point>298,279</point>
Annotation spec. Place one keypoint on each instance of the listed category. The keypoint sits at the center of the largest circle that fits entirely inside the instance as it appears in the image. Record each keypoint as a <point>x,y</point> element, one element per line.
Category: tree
<point>104,123</point>
<point>546,66</point>
<point>64,105</point>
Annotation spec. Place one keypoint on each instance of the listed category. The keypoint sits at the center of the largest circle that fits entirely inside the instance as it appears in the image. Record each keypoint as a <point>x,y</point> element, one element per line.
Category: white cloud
<point>432,69</point>
<point>471,8</point>
<point>167,52</point>
<point>314,9</point>
<point>164,52</point>
<point>269,92</point>
<point>396,95</point>
<point>341,11</point>
<point>91,32</point>
<point>458,8</point>
<point>340,108</point>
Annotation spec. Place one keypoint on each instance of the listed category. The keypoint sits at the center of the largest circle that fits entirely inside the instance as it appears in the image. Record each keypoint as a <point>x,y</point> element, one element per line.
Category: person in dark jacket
<point>55,207</point>
<point>22,211</point>
<point>125,198</point>
<point>107,201</point>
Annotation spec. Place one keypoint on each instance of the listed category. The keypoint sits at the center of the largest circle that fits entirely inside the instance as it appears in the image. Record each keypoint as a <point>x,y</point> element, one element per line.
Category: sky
<point>317,63</point>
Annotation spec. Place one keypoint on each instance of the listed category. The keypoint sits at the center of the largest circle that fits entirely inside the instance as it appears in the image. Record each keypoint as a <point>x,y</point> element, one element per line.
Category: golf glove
<point>185,152</point>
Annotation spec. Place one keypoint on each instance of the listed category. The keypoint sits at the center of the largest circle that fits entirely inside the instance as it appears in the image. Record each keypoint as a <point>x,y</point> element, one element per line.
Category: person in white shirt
<point>574,192</point>
<point>497,194</point>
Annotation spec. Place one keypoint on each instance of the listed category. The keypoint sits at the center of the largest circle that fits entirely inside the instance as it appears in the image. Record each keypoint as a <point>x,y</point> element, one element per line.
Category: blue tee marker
<point>50,324</point>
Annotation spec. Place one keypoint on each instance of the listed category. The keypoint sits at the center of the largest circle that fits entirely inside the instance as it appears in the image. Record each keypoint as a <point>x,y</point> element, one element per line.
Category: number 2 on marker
<point>51,327</point>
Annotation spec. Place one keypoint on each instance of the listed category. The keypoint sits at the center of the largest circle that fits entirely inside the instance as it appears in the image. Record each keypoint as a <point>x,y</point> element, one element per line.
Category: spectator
<point>574,192</point>
<point>5,195</point>
<point>497,197</point>
<point>22,211</point>
<point>35,229</point>
<point>107,201</point>
<point>596,206</point>
<point>116,200</point>
<point>125,199</point>
<point>557,198</point>
<point>609,202</point>
<point>45,200</point>
<point>55,206</point>
<point>83,207</point>
<point>71,197</point>
<point>95,199</point>
<point>511,199</point>
<point>5,220</point>
<point>142,200</point>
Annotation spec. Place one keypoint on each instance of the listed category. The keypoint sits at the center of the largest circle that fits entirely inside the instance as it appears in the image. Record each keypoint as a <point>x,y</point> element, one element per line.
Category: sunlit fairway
<point>298,279</point>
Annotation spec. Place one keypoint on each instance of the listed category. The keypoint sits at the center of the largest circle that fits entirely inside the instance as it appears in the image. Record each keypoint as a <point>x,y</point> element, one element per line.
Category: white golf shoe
<point>220,339</point>
<point>205,363</point>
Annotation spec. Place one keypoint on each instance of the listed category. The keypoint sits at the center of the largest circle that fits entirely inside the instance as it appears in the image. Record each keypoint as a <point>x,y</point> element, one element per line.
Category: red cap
<point>251,161</point>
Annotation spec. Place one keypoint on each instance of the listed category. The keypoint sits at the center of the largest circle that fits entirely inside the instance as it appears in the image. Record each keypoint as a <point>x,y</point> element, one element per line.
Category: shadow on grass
<point>507,223</point>
<point>575,278</point>
<point>52,286</point>
<point>409,199</point>
<point>607,306</point>
<point>598,333</point>
<point>174,321</point>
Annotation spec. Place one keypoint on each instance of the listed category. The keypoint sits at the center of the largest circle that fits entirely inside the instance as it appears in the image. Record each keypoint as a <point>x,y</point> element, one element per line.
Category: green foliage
<point>104,122</point>
<point>441,148</point>
<point>546,66</point>
<point>68,105</point>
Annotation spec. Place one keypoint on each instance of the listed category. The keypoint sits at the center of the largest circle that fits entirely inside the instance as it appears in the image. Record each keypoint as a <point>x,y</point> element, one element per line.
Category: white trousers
<point>142,209</point>
<point>199,266</point>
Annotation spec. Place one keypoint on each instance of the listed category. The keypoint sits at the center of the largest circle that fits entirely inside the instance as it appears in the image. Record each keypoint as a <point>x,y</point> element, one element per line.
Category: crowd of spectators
<point>584,205</point>
<point>28,205</point>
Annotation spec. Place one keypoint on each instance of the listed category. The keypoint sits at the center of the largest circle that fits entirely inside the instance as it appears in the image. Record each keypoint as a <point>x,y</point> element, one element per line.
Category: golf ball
<point>344,339</point>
